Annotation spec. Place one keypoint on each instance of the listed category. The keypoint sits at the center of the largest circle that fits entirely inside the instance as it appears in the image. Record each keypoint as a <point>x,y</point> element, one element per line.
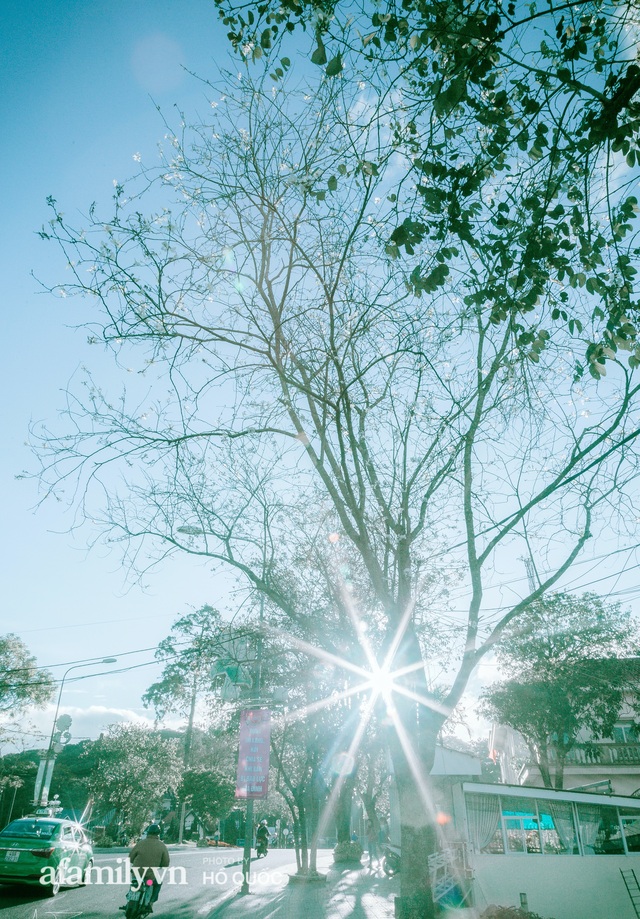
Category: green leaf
<point>454,93</point>
<point>319,56</point>
<point>332,184</point>
<point>369,168</point>
<point>334,67</point>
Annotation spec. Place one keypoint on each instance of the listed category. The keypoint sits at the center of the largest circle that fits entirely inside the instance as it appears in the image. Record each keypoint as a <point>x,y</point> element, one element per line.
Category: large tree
<point>569,669</point>
<point>319,403</point>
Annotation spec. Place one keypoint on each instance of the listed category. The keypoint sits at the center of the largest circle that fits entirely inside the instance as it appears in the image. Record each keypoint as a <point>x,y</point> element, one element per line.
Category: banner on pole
<point>253,754</point>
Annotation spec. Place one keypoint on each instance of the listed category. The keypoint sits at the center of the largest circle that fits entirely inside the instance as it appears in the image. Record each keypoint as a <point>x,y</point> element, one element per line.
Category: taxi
<point>48,851</point>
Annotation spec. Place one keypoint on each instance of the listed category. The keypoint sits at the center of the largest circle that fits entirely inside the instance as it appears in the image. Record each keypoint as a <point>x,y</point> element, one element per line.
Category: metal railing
<point>449,869</point>
<point>605,754</point>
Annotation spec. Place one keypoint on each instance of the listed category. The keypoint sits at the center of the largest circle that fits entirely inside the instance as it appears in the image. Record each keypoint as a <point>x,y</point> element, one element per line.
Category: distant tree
<point>569,668</point>
<point>188,653</point>
<point>197,643</point>
<point>298,750</point>
<point>22,683</point>
<point>17,777</point>
<point>71,777</point>
<point>134,768</point>
<point>209,794</point>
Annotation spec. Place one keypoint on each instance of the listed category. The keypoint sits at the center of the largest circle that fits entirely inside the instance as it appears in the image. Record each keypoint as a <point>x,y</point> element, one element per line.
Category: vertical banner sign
<point>253,754</point>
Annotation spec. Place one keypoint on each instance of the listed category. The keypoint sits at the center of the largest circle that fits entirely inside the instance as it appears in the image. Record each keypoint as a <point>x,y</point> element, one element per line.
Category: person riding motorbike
<point>147,854</point>
<point>262,838</point>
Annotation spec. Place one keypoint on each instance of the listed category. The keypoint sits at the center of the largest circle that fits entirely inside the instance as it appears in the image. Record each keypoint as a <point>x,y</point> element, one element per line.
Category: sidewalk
<point>346,894</point>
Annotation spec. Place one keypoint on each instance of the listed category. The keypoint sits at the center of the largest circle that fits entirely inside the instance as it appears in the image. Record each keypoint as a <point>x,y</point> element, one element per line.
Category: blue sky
<point>79,86</point>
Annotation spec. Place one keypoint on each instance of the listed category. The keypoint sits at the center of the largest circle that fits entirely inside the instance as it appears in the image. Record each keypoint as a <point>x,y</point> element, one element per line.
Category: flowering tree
<point>134,768</point>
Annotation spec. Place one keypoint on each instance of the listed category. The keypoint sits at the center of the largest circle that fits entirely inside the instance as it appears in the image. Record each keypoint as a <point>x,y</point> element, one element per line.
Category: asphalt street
<point>201,880</point>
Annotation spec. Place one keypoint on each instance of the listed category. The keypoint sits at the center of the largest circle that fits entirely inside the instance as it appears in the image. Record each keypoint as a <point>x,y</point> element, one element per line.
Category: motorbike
<point>390,860</point>
<point>139,900</point>
<point>261,847</point>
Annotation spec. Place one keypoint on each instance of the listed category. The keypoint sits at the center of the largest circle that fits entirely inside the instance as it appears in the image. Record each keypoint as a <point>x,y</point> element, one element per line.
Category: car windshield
<point>31,829</point>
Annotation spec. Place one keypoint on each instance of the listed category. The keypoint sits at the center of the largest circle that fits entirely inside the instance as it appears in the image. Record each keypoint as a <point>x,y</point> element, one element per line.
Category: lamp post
<point>45,768</point>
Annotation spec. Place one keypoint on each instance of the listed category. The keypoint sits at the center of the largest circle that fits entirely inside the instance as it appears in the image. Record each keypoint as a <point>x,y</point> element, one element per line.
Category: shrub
<point>347,852</point>
<point>104,842</point>
<point>509,912</point>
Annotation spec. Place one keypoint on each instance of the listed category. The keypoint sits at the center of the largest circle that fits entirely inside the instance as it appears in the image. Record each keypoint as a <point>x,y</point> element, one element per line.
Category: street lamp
<point>45,768</point>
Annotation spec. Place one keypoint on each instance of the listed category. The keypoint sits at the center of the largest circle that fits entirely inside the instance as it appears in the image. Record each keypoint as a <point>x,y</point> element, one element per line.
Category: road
<point>202,879</point>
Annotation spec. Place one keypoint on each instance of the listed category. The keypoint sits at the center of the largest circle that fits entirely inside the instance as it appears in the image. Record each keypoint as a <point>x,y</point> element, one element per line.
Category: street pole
<point>246,855</point>
<point>45,767</point>
<point>187,757</point>
<point>13,800</point>
<point>248,835</point>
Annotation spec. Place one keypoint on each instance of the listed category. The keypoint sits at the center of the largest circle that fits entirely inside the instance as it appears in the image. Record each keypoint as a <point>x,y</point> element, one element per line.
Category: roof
<point>455,762</point>
<point>549,794</point>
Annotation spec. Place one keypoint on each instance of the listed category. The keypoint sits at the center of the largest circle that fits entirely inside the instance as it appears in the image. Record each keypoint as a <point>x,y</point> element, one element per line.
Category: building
<point>570,855</point>
<point>562,854</point>
<point>609,765</point>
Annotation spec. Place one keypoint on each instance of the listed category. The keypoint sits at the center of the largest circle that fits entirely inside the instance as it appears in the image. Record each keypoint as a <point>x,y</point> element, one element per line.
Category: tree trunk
<point>559,776</point>
<point>418,840</point>
<point>304,845</point>
<point>418,726</point>
<point>542,758</point>
<point>314,821</point>
<point>296,843</point>
<point>344,804</point>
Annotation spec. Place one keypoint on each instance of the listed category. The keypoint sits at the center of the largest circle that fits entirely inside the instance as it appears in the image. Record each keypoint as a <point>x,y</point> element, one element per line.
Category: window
<point>557,828</point>
<point>484,823</point>
<point>521,826</point>
<point>630,820</point>
<point>600,830</point>
<point>30,829</point>
<point>511,825</point>
<point>625,733</point>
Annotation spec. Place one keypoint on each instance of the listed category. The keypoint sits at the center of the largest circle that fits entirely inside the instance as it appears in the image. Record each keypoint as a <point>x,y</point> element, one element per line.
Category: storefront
<point>560,852</point>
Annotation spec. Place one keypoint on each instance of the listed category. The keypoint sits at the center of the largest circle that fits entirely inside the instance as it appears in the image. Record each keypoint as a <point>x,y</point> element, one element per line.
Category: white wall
<point>558,886</point>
